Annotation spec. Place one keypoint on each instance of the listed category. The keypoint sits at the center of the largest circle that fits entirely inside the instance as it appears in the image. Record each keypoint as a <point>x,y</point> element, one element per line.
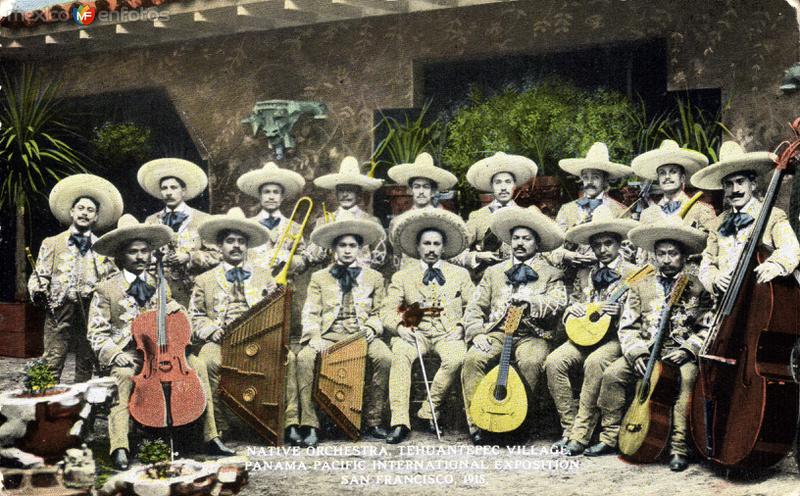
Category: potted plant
<point>33,157</point>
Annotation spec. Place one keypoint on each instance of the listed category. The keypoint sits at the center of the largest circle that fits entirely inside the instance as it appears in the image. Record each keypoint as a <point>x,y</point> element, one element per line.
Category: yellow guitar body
<point>503,415</point>
<point>589,329</point>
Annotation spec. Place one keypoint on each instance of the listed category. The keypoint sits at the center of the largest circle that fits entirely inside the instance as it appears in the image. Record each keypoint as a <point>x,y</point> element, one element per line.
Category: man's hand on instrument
<point>216,336</point>
<point>768,271</point>
<point>640,365</point>
<point>481,341</point>
<point>318,344</point>
<point>123,360</point>
<point>678,357</point>
<point>575,258</point>
<point>612,309</point>
<point>723,281</point>
<point>487,257</point>
<point>576,310</point>
<point>175,258</point>
<point>370,334</point>
<point>405,333</point>
<point>628,251</point>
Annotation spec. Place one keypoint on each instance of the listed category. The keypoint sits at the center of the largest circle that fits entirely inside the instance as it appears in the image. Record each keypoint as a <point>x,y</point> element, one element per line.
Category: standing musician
<point>671,240</point>
<point>737,173</point>
<point>341,300</point>
<point>527,280</point>
<point>68,268</point>
<point>116,303</point>
<point>594,284</point>
<point>224,293</point>
<point>176,181</point>
<point>432,283</point>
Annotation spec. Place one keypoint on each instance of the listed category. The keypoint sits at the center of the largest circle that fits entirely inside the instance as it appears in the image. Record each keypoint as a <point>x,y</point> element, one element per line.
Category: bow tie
<point>590,203</point>
<point>141,291</point>
<point>83,243</point>
<point>735,222</point>
<point>174,219</point>
<point>604,277</point>
<point>670,207</point>
<point>270,222</point>
<point>346,276</point>
<point>521,274</point>
<point>433,274</point>
<point>237,274</point>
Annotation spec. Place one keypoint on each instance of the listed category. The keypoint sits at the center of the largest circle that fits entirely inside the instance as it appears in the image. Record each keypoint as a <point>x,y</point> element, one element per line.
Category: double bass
<point>745,403</point>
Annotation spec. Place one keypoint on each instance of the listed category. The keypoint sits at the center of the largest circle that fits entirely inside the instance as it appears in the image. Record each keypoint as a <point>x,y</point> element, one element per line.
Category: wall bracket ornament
<point>276,118</point>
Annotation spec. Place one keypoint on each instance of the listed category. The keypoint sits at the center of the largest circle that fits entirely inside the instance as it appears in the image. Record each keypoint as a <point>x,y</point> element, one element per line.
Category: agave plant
<point>33,153</point>
<point>406,139</point>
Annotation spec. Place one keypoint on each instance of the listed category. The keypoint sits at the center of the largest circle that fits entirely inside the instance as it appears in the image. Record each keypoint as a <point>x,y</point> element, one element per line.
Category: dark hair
<point>423,231</point>
<point>359,239</point>
<point>180,181</point>
<point>434,184</point>
<point>90,198</point>
<point>226,232</point>
<point>535,234</point>
<point>283,190</point>
<point>491,179</point>
<point>751,176</point>
<point>681,247</point>
<point>612,234</point>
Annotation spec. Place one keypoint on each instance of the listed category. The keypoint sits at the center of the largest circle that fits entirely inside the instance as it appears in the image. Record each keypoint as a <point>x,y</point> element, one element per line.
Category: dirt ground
<point>422,465</point>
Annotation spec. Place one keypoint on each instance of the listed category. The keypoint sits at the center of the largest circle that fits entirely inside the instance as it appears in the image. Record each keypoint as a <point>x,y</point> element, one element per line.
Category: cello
<point>745,403</point>
<point>167,392</point>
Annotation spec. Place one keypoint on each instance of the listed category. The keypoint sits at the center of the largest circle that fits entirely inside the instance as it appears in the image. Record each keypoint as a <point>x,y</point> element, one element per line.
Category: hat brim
<point>582,233</point>
<point>151,173</point>
<point>411,223</point>
<point>325,234</point>
<point>647,236</point>
<point>480,174</point>
<point>403,173</point>
<point>330,181</point>
<point>646,165</point>
<point>710,178</point>
<point>250,182</point>
<point>69,189</point>
<point>504,220</point>
<point>574,166</point>
<point>256,233</point>
<point>110,244</point>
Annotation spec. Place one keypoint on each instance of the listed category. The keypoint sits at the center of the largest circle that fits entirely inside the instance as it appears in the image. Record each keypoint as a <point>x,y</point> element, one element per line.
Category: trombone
<point>282,277</point>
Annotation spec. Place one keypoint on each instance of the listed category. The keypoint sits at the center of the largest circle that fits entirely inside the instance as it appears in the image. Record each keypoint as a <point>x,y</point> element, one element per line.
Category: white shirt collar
<point>752,205</point>
<point>130,276</point>
<point>74,230</point>
<point>613,264</point>
<point>437,265</point>
<point>528,262</point>
<point>494,205</point>
<point>183,207</point>
<point>355,210</point>
<point>682,197</point>
<point>226,266</point>
<point>263,214</point>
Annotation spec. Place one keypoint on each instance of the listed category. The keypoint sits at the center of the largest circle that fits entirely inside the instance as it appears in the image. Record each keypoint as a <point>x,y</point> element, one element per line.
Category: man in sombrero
<point>175,181</point>
<point>224,293</point>
<point>116,304</point>
<point>593,284</point>
<point>526,280</point>
<point>427,237</point>
<point>68,267</point>
<point>738,173</point>
<point>342,299</point>
<point>671,240</point>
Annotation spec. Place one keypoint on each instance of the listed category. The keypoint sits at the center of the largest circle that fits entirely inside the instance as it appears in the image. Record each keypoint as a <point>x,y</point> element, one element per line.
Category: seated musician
<point>224,293</point>
<point>671,240</point>
<point>432,283</point>
<point>341,300</point>
<point>737,174</point>
<point>593,284</point>
<point>527,280</point>
<point>116,303</point>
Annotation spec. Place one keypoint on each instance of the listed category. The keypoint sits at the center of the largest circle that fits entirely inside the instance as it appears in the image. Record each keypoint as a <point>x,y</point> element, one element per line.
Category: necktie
<point>666,284</point>
<point>670,207</point>
<point>83,243</point>
<point>604,277</point>
<point>346,276</point>
<point>237,274</point>
<point>270,222</point>
<point>589,203</point>
<point>173,219</point>
<point>433,274</point>
<point>735,222</point>
<point>141,291</point>
<point>521,274</point>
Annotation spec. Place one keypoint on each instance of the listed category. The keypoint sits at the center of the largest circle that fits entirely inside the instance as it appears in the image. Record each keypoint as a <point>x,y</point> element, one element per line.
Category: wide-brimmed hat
<point>349,173</point>
<point>603,221</point>
<point>646,165</point>
<point>410,224</point>
<point>250,182</point>
<point>505,219</point>
<point>668,229</point>
<point>480,174</point>
<point>129,229</point>
<point>324,235</point>
<point>152,172</point>
<point>423,167</point>
<point>234,220</point>
<point>596,158</point>
<point>733,158</point>
<point>69,189</point>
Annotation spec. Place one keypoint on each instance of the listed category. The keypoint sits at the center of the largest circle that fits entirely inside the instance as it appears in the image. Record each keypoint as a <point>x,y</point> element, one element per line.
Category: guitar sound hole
<point>594,317</point>
<point>500,393</point>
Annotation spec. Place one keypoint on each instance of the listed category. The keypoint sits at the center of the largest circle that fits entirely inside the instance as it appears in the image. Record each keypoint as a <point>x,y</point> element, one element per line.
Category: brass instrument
<point>282,277</point>
<point>327,216</point>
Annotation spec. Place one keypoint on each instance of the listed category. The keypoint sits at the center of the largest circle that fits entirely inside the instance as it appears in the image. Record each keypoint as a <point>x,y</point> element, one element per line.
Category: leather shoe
<point>217,448</point>
<point>574,448</point>
<point>312,439</point>
<point>398,435</point>
<point>478,437</point>
<point>599,449</point>
<point>559,445</point>
<point>678,463</point>
<point>432,428</point>
<point>292,435</point>
<point>377,432</point>
<point>120,459</point>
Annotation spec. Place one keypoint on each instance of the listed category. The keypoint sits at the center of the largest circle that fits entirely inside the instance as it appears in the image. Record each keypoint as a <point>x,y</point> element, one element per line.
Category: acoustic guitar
<point>593,326</point>
<point>500,403</point>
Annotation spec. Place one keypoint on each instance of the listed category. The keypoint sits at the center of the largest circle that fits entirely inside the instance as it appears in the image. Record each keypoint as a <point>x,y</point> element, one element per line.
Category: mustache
<point>733,196</point>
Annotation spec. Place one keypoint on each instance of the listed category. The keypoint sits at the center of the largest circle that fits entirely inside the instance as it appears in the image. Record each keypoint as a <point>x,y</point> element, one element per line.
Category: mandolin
<point>592,327</point>
<point>646,426</point>
<point>500,403</point>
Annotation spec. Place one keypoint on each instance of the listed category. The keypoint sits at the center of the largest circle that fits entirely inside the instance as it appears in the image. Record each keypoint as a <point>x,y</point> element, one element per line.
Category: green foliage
<point>406,139</point>
<point>157,455</point>
<point>122,143</point>
<point>38,377</point>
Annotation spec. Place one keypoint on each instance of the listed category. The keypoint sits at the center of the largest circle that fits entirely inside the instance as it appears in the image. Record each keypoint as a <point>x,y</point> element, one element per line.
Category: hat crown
<point>598,152</point>
<point>270,166</point>
<point>350,166</point>
<point>730,150</point>
<point>602,214</point>
<point>127,220</point>
<point>236,213</point>
<point>424,159</point>
<point>669,145</point>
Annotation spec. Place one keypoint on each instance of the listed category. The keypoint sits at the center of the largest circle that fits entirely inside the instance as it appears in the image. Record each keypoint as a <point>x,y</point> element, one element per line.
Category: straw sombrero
<point>646,165</point>
<point>603,221</point>
<point>733,158</point>
<point>423,167</point>
<point>480,174</point>
<point>129,229</point>
<point>234,220</point>
<point>349,173</point>
<point>69,189</point>
<point>250,182</point>
<point>668,228</point>
<point>151,174</point>
<point>505,219</point>
<point>324,234</point>
<point>596,158</point>
<point>411,223</point>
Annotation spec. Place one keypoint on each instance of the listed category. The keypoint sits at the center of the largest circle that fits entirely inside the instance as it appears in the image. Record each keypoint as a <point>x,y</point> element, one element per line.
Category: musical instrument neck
<point>162,307</point>
<point>505,360</point>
